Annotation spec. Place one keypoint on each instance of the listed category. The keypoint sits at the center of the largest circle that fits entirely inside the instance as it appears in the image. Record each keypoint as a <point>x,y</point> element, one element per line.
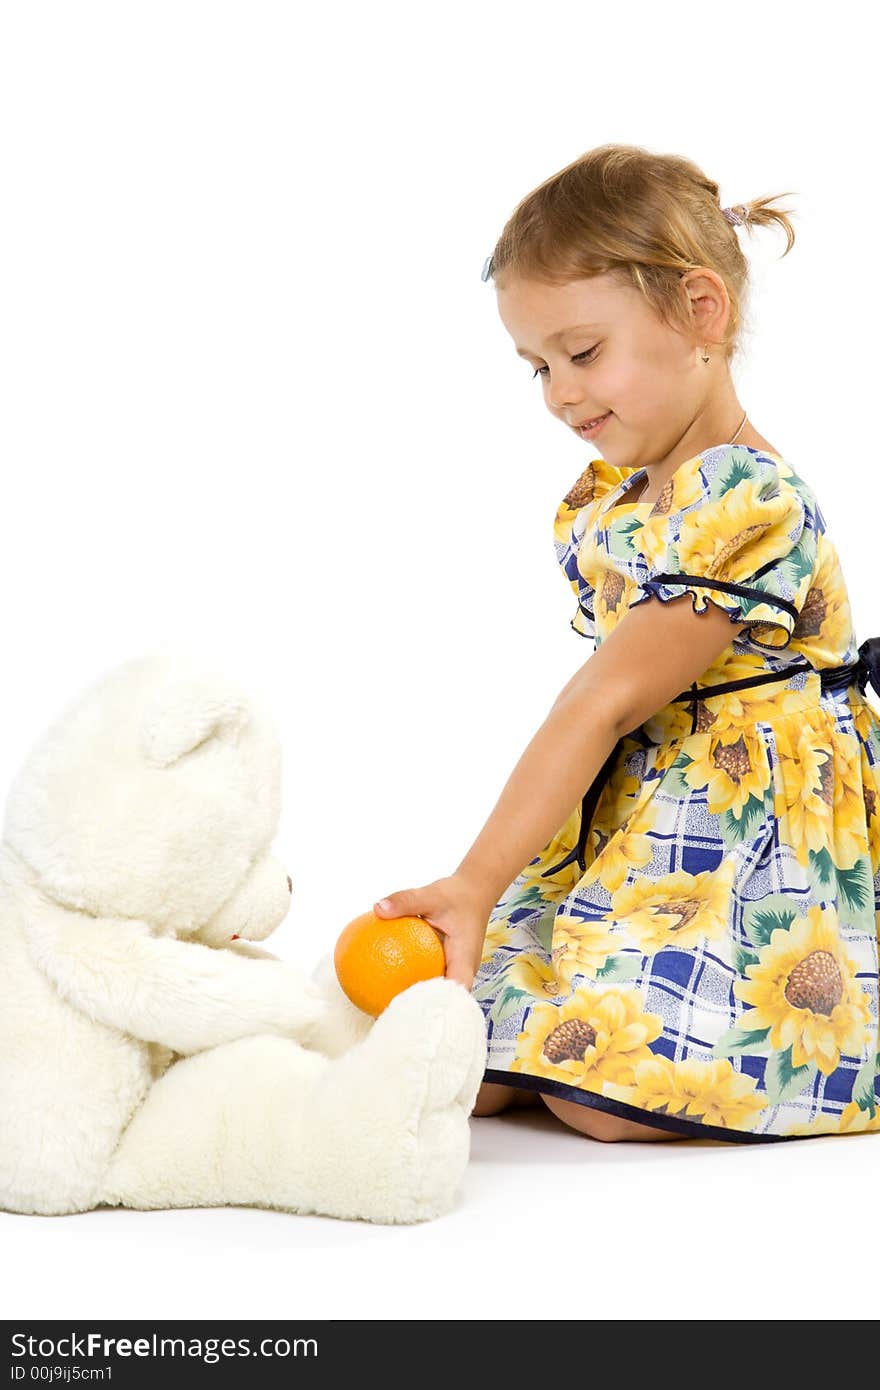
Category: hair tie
<point>487,268</point>
<point>737,216</point>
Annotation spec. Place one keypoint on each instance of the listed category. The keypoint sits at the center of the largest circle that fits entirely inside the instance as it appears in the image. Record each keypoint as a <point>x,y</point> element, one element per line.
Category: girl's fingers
<point>415,902</point>
<point>399,904</point>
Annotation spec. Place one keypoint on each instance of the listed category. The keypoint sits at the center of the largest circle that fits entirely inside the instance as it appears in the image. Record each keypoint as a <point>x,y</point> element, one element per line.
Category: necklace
<point>741,423</point>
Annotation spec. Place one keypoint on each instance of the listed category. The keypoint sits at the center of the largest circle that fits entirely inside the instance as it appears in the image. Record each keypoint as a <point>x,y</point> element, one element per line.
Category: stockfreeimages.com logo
<point>94,1345</point>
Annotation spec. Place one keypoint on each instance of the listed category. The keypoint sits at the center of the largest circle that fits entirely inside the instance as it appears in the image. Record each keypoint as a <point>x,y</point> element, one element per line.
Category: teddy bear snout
<point>255,909</point>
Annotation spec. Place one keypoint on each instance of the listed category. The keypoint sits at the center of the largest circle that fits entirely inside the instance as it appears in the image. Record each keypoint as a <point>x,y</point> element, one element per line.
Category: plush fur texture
<point>148,1058</point>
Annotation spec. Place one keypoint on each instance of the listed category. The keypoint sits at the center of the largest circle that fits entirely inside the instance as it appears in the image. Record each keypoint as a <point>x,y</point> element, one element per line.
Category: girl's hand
<point>458,910</point>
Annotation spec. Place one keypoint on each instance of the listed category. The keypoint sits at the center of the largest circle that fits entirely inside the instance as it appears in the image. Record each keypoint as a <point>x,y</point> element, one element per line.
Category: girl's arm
<point>653,654</point>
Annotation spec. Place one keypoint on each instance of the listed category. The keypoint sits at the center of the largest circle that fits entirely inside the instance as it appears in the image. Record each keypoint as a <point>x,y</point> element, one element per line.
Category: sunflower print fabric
<point>714,968</point>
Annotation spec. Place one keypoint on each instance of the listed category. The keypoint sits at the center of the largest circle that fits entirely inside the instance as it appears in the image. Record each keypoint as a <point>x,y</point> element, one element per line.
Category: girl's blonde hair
<point>645,218</point>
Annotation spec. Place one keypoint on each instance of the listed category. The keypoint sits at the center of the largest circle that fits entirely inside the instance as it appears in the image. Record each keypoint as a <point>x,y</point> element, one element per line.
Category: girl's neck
<point>658,474</point>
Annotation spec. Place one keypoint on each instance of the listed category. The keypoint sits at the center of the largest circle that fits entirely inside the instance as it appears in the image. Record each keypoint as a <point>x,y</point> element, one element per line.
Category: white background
<point>258,401</point>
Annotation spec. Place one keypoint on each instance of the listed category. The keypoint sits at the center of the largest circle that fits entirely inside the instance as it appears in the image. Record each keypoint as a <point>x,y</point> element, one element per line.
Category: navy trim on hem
<point>625,1111</point>
<point>728,587</point>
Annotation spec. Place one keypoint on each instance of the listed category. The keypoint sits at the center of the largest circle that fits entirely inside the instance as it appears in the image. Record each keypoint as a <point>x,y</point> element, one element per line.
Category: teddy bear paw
<point>399,1105</point>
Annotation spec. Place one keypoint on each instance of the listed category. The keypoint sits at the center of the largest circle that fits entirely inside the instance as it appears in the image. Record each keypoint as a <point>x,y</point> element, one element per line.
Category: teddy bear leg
<point>221,1128</point>
<point>389,1124</point>
<point>380,1134</point>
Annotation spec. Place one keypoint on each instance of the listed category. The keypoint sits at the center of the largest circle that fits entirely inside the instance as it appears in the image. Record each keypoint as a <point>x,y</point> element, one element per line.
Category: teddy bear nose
<point>289,884</point>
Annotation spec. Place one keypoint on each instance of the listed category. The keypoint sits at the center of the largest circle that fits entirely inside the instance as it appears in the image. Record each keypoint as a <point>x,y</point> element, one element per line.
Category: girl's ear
<point>188,711</point>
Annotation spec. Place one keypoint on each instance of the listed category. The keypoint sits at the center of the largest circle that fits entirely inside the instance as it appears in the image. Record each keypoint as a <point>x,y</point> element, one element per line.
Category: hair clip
<point>487,268</point>
<point>734,217</point>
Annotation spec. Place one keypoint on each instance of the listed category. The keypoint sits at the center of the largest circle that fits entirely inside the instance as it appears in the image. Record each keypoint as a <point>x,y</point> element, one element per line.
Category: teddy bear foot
<point>388,1123</point>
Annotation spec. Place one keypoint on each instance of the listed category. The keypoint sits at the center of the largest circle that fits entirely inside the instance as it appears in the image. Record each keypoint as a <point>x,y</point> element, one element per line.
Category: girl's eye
<point>586,356</point>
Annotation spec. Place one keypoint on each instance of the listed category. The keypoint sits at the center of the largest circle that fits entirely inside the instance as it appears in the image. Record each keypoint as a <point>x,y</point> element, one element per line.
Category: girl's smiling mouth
<point>589,429</point>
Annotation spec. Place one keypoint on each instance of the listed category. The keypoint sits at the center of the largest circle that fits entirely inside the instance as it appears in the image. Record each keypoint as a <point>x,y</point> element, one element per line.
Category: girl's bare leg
<point>492,1098</point>
<point>597,1124</point>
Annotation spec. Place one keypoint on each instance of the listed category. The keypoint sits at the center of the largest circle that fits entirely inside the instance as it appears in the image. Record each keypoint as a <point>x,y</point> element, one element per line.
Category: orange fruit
<point>377,957</point>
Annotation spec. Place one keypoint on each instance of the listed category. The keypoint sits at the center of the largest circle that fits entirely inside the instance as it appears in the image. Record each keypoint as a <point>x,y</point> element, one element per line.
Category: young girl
<point>691,950</point>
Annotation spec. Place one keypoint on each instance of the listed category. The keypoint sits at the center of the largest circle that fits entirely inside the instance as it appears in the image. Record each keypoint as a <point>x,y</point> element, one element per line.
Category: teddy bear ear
<point>188,711</point>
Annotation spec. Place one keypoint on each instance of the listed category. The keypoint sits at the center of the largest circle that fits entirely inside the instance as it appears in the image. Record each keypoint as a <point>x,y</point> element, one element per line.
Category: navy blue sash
<point>867,668</point>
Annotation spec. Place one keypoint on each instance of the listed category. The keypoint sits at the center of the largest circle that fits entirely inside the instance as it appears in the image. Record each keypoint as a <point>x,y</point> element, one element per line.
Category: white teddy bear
<point>148,1057</point>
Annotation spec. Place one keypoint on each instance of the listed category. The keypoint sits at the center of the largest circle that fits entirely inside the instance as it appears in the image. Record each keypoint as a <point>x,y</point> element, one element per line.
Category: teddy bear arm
<point>182,995</point>
<point>343,1024</point>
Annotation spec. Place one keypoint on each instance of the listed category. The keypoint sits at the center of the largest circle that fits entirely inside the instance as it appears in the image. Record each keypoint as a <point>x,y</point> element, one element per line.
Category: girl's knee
<point>598,1124</point>
<point>595,1123</point>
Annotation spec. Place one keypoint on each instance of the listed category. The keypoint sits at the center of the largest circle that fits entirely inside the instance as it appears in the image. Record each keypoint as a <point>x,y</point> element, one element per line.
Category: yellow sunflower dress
<point>696,948</point>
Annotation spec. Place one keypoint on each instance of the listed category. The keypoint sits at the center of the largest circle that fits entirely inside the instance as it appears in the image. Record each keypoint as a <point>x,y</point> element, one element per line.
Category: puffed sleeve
<point>572,522</point>
<point>746,542</point>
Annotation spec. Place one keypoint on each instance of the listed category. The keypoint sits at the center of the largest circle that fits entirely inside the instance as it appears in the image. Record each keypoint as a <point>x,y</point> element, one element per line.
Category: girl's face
<point>597,347</point>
